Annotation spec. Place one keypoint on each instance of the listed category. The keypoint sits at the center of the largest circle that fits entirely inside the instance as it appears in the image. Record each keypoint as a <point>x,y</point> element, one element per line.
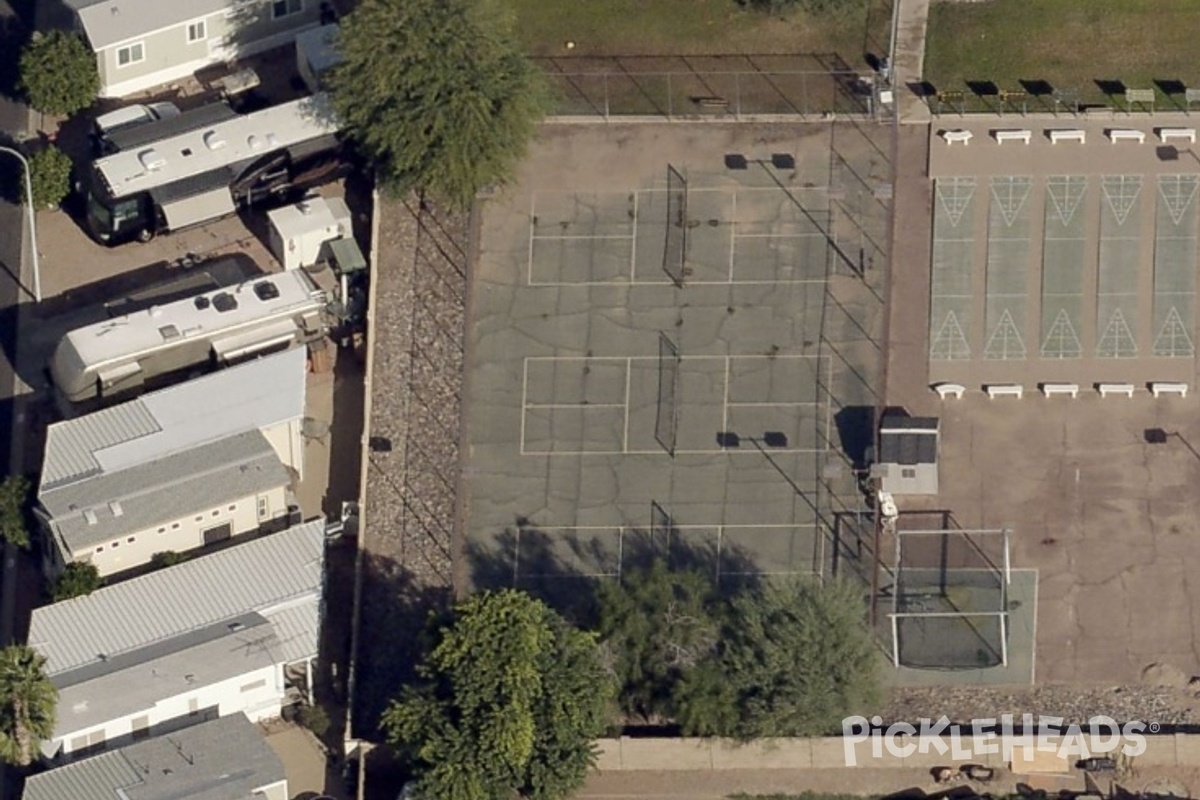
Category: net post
<point>1004,638</point>
<point>895,641</point>
<point>1007,562</point>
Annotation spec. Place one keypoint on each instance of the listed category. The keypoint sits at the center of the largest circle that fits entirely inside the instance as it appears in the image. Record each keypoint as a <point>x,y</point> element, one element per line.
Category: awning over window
<point>198,208</point>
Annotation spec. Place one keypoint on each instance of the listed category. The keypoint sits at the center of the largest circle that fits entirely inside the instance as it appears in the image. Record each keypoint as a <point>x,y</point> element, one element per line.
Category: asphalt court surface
<point>585,441</point>
<point>735,235</point>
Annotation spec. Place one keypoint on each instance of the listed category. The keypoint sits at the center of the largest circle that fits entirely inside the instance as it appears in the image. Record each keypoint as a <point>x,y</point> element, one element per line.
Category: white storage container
<point>297,232</point>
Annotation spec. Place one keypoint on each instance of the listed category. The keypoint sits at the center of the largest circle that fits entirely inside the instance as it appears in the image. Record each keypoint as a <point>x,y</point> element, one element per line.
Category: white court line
<point>791,404</point>
<point>660,452</point>
<point>732,235</point>
<point>735,357</point>
<point>584,236</point>
<point>628,377</point>
<point>691,526</point>
<point>524,400</point>
<point>633,243</point>
<point>828,405</point>
<point>725,399</point>
<point>574,405</point>
<point>532,227</point>
<point>739,356</point>
<point>817,235</point>
<point>624,282</point>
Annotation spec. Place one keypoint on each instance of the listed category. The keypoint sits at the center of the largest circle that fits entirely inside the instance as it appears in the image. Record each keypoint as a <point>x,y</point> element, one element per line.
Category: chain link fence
<point>710,86</point>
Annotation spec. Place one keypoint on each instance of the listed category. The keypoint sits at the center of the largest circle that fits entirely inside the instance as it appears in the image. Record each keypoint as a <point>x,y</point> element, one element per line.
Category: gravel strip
<point>1167,706</point>
<point>416,396</point>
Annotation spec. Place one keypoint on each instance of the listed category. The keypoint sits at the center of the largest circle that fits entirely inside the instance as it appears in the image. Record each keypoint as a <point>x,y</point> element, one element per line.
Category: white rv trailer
<point>213,329</point>
<point>207,172</point>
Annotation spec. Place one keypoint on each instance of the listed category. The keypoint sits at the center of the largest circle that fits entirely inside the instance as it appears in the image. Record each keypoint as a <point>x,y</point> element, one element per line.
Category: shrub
<point>50,177</point>
<point>315,719</point>
<point>77,580</point>
<point>168,558</point>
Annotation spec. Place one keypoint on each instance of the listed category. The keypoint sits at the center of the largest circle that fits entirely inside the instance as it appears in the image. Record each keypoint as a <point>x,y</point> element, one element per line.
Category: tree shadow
<point>13,35</point>
<point>564,570</point>
<point>397,610</point>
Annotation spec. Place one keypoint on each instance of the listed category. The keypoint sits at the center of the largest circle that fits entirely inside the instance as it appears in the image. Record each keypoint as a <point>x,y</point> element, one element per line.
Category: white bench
<point>1159,388</point>
<point>1106,389</point>
<point>957,136</point>
<point>1067,135</point>
<point>1166,134</point>
<point>1012,135</point>
<point>1004,390</point>
<point>945,390</point>
<point>1049,389</point>
<point>1126,135</point>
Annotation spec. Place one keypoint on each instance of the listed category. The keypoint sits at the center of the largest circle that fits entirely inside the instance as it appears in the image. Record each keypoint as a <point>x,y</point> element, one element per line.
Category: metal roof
<point>262,575</point>
<point>168,325</point>
<point>223,759</point>
<point>223,145</point>
<point>109,22</point>
<point>190,120</point>
<point>108,506</point>
<point>160,672</point>
<point>256,395</point>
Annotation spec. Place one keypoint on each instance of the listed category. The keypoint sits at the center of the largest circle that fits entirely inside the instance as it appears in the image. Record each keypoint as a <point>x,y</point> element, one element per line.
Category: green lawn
<point>1071,44</point>
<point>691,27</point>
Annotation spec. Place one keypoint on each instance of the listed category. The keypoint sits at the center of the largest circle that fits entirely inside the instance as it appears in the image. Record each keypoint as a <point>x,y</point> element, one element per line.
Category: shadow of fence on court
<point>698,87</point>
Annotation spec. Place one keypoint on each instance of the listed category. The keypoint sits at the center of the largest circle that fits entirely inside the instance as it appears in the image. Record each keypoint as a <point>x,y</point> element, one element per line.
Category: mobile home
<point>123,355</point>
<point>205,173</point>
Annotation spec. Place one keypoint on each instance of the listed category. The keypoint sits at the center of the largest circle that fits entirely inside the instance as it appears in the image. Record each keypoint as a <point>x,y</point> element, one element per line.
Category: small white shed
<point>316,54</point>
<point>298,231</point>
<point>908,455</point>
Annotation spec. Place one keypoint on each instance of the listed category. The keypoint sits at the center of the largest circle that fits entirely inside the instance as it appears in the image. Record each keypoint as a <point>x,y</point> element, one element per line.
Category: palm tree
<point>27,700</point>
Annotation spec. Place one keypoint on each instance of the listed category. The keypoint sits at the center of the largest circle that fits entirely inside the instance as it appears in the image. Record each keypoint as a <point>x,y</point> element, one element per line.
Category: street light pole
<point>37,271</point>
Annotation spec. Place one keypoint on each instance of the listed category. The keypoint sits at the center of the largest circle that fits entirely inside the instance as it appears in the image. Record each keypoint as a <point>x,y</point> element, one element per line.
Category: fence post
<point>737,95</point>
<point>804,94</point>
<point>670,99</point>
<point>604,75</point>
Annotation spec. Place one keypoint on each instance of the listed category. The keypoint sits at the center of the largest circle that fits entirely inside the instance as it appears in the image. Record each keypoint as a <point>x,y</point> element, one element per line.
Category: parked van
<point>129,117</point>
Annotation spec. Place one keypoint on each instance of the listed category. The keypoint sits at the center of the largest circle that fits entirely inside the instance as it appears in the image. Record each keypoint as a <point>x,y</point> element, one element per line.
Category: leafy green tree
<point>798,658</point>
<point>79,578</point>
<point>438,93</point>
<point>509,700</point>
<point>14,510</point>
<point>657,625</point>
<point>27,704</point>
<point>49,177</point>
<point>58,73</point>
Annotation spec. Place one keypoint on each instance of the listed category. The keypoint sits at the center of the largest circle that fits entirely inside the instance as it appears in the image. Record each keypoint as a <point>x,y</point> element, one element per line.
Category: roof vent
<point>115,507</point>
<point>151,160</point>
<point>254,142</point>
<point>224,301</point>
<point>272,141</point>
<point>213,140</point>
<point>169,333</point>
<point>90,516</point>
<point>265,290</point>
<point>202,302</point>
<point>155,311</point>
<point>236,626</point>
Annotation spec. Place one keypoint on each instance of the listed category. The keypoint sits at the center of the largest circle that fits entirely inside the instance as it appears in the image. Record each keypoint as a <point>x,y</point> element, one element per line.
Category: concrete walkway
<point>908,58</point>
